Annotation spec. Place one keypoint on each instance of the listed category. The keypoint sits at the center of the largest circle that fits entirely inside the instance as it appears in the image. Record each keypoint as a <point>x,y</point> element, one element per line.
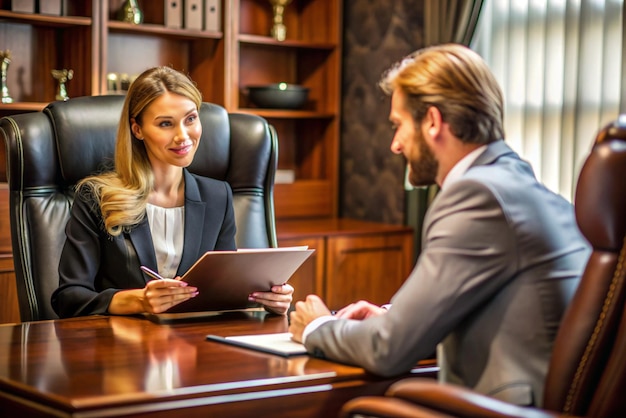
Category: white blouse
<point>167,226</point>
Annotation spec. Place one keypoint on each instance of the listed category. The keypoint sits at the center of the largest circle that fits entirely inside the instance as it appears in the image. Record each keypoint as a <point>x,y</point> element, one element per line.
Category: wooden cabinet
<point>128,49</point>
<point>90,40</point>
<point>310,56</point>
<point>40,43</point>
<point>353,260</point>
<point>9,310</point>
<point>310,277</point>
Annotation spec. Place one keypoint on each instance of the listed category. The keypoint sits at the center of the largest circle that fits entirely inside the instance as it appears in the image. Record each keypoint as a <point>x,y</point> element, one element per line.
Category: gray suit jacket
<point>501,259</point>
<point>94,265</point>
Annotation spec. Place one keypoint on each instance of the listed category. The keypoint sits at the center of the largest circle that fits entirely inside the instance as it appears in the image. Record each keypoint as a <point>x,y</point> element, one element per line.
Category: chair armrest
<point>458,401</point>
<point>384,407</point>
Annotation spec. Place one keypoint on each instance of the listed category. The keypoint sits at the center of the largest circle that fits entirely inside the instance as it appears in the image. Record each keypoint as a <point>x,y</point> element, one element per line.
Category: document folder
<point>225,278</point>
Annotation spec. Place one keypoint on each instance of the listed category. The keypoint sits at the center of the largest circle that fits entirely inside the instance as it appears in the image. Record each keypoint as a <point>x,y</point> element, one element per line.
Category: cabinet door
<point>9,309</point>
<point>366,267</point>
<point>309,277</point>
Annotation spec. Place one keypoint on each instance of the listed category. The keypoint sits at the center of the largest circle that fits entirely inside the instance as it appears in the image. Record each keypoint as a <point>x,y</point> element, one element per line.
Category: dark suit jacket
<point>502,256</point>
<point>94,265</point>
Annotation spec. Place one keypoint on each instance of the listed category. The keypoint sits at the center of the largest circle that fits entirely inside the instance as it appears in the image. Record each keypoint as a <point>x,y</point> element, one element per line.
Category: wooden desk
<point>131,367</point>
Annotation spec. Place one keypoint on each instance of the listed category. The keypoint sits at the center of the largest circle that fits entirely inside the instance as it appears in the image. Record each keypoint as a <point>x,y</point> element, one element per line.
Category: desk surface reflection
<point>127,366</point>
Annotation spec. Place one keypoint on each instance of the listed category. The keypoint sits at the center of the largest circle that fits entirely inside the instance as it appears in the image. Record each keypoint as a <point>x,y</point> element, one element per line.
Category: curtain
<point>444,21</point>
<point>559,63</point>
<point>450,21</point>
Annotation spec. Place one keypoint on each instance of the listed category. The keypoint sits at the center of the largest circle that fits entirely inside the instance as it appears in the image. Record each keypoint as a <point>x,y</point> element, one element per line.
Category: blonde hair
<point>458,82</point>
<point>122,194</point>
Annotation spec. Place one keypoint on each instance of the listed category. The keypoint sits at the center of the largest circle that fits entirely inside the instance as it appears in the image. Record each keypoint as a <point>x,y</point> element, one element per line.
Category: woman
<point>149,211</point>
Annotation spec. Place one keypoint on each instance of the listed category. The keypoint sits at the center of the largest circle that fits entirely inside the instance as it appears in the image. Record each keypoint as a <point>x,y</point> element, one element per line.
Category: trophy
<point>62,76</point>
<point>279,31</point>
<point>130,12</point>
<point>5,56</point>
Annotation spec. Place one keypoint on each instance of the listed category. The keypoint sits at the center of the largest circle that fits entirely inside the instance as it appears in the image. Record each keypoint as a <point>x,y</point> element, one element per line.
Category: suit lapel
<point>194,224</point>
<point>141,240</point>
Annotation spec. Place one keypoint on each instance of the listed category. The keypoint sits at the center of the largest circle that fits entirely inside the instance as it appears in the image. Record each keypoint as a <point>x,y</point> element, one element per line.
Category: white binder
<point>174,14</point>
<point>51,7</point>
<point>23,6</point>
<point>193,14</point>
<point>212,15</point>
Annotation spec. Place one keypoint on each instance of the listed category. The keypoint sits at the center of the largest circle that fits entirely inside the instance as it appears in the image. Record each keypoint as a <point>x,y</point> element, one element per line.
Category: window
<point>559,63</point>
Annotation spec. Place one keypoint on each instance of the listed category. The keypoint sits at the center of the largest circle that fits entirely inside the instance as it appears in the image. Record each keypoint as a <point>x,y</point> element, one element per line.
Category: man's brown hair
<point>458,82</point>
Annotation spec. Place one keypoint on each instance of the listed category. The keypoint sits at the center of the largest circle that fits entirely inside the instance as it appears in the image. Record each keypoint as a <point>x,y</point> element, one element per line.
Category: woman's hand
<point>160,295</point>
<point>157,297</point>
<point>277,301</point>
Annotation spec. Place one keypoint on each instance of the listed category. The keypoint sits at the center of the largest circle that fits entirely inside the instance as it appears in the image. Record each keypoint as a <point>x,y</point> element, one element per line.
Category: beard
<point>423,168</point>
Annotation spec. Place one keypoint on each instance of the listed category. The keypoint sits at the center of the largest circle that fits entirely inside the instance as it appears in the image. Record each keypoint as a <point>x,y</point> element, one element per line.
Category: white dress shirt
<point>167,226</point>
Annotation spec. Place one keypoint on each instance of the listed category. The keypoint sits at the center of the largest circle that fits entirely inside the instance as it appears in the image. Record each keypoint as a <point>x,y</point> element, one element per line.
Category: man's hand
<point>360,310</point>
<point>306,311</point>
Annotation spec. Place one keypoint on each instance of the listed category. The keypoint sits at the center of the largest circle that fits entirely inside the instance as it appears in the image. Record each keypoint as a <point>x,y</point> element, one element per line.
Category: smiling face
<point>409,141</point>
<point>170,129</point>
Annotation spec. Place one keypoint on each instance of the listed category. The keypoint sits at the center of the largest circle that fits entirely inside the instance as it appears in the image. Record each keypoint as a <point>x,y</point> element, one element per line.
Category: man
<point>501,257</point>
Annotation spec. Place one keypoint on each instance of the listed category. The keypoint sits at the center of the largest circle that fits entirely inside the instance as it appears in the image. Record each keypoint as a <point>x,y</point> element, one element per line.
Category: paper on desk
<point>278,343</point>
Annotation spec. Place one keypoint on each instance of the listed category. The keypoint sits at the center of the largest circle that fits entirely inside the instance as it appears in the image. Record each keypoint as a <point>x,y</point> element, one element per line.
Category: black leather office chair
<point>587,372</point>
<point>49,151</point>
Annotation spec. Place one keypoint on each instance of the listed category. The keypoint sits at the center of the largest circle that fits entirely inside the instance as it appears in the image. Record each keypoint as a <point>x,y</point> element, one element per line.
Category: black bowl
<point>278,96</point>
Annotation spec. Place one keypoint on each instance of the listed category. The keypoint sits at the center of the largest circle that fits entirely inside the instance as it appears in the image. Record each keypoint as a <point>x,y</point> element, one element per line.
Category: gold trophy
<point>5,60</point>
<point>279,30</point>
<point>130,12</point>
<point>62,76</point>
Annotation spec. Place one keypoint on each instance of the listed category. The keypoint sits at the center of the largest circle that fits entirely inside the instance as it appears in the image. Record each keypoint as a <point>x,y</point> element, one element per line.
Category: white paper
<point>280,342</point>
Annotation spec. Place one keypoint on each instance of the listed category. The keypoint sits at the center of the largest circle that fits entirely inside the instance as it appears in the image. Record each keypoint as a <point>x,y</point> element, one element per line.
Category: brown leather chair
<point>587,372</point>
<point>49,151</point>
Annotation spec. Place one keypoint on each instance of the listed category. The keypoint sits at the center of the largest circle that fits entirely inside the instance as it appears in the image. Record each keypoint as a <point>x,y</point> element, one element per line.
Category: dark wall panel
<point>377,33</point>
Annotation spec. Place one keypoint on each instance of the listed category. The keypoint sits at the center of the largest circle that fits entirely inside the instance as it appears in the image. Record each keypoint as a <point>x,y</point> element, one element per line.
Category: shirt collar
<point>462,166</point>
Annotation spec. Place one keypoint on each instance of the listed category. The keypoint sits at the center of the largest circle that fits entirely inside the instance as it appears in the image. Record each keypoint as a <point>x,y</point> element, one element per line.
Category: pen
<point>152,273</point>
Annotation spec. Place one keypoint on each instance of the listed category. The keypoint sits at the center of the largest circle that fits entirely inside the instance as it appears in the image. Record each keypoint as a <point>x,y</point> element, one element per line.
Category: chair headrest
<point>92,121</point>
<point>600,199</point>
<point>212,156</point>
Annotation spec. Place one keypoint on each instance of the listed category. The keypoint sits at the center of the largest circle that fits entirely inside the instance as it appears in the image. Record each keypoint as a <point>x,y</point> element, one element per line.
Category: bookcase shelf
<point>89,39</point>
